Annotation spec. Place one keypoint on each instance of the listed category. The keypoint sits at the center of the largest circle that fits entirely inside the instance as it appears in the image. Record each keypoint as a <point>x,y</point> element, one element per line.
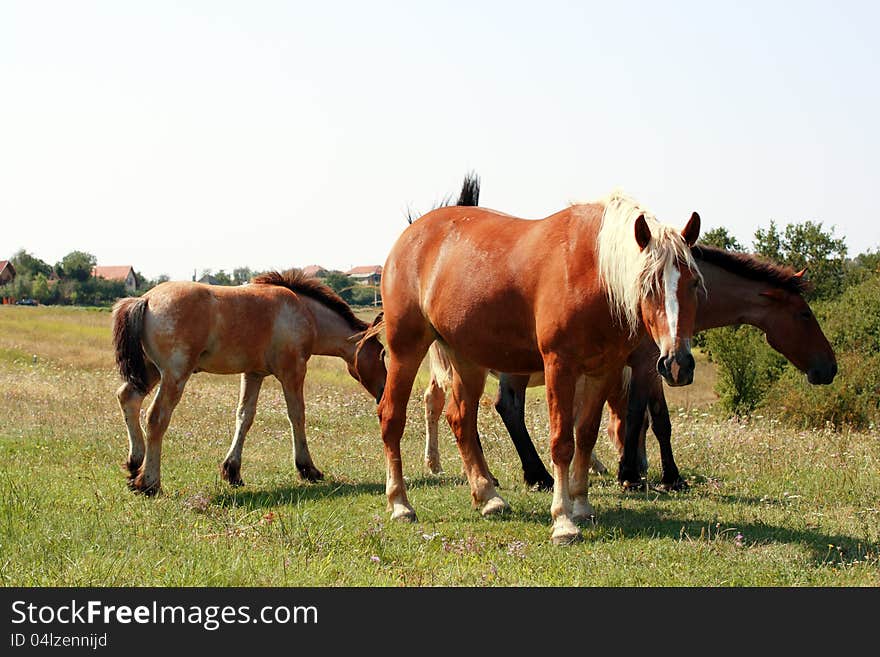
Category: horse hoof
<point>495,506</point>
<point>231,473</point>
<point>403,513</point>
<point>433,466</point>
<point>583,513</point>
<point>629,485</point>
<point>539,482</point>
<point>565,532</point>
<point>138,485</point>
<point>676,485</point>
<point>310,473</point>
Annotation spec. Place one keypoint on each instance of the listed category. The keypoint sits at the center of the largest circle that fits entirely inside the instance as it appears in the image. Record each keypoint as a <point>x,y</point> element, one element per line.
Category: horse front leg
<point>249,391</point>
<point>131,401</point>
<point>671,479</point>
<point>435,400</point>
<point>292,384</point>
<point>467,387</point>
<point>402,370</point>
<point>560,381</point>
<point>510,404</point>
<point>592,392</point>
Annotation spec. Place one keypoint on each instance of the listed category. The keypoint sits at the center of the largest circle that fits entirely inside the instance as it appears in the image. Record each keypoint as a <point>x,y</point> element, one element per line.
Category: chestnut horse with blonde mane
<point>271,326</point>
<point>570,294</point>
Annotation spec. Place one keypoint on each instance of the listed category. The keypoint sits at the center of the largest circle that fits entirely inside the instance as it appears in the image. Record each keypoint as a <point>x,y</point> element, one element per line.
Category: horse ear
<point>643,233</point>
<point>801,273</point>
<point>692,230</point>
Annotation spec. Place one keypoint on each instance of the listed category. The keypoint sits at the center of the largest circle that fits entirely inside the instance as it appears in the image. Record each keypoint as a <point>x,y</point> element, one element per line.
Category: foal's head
<point>669,295</point>
<point>368,366</point>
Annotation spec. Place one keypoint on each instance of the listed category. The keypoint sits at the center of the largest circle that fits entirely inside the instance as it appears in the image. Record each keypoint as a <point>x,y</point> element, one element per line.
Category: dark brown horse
<point>272,326</point>
<point>570,295</point>
<point>739,289</point>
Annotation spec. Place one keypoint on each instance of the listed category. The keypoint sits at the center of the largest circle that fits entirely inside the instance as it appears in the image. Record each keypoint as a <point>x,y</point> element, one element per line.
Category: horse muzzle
<point>822,373</point>
<point>677,369</point>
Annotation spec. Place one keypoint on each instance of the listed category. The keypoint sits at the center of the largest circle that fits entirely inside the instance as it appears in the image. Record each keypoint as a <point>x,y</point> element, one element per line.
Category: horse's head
<point>669,304</point>
<point>368,365</point>
<point>792,330</point>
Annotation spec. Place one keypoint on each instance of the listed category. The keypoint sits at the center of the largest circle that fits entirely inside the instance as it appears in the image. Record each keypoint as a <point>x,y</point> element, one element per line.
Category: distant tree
<point>807,245</point>
<point>242,275</point>
<point>78,265</point>
<point>722,239</point>
<point>222,278</point>
<point>864,266</point>
<point>40,288</point>
<point>28,265</point>
<point>341,284</point>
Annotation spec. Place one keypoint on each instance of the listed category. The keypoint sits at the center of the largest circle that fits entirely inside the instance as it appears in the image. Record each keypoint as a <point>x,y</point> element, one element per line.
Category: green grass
<point>767,506</point>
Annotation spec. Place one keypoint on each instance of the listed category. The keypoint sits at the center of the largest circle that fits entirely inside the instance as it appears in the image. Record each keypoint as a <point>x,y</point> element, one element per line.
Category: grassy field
<point>767,505</point>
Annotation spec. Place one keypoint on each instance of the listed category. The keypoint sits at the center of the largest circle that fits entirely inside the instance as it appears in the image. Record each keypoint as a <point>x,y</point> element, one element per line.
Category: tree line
<point>70,282</point>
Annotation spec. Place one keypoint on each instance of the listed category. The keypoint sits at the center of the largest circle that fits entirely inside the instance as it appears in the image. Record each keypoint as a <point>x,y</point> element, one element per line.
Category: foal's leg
<point>435,400</point>
<point>131,400</point>
<point>171,387</point>
<point>467,387</point>
<point>292,383</point>
<point>593,393</point>
<point>560,382</point>
<point>230,470</point>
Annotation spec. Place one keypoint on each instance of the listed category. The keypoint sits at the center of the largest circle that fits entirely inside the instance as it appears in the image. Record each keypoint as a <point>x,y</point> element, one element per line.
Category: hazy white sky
<point>181,135</point>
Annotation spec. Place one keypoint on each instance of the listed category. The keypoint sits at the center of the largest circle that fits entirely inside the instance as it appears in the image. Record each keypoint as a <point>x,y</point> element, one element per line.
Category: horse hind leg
<point>147,480</point>
<point>230,469</point>
<point>467,387</point>
<point>435,400</point>
<point>130,401</point>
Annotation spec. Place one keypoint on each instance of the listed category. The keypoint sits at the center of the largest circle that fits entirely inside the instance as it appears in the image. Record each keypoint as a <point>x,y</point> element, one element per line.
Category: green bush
<point>747,366</point>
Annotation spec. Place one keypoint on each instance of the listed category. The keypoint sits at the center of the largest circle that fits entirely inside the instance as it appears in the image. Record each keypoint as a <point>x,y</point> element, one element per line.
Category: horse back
<point>484,279</point>
<point>224,330</point>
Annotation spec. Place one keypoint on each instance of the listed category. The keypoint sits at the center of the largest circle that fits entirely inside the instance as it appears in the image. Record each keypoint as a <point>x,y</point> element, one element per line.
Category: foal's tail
<point>440,366</point>
<point>128,325</point>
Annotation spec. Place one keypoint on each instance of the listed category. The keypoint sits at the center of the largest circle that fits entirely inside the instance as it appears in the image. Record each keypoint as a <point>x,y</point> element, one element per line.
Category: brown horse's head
<point>792,330</point>
<point>669,303</point>
<point>368,366</point>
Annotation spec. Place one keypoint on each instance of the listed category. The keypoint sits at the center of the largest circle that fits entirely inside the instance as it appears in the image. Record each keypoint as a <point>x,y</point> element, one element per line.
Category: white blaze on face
<point>670,284</point>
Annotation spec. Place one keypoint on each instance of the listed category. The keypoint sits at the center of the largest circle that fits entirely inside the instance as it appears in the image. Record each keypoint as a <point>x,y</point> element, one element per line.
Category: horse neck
<point>729,299</point>
<point>333,334</point>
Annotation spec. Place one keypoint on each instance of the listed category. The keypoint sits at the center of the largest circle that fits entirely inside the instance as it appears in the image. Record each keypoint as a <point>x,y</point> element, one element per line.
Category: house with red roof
<point>7,272</point>
<point>315,270</point>
<point>366,274</point>
<point>124,273</point>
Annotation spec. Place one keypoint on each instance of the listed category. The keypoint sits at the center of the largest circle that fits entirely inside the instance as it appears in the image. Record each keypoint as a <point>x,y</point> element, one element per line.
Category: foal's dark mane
<point>300,283</point>
<point>469,196</point>
<point>752,267</point>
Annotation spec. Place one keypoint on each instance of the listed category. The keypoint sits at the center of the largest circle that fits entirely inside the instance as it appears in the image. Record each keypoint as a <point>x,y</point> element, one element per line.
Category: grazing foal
<point>269,327</point>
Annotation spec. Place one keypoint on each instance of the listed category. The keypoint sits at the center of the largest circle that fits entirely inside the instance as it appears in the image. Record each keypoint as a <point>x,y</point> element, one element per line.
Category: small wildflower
<point>738,540</point>
<point>375,559</point>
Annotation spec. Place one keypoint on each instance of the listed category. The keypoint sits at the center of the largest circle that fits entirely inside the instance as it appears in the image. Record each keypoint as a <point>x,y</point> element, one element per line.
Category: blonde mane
<point>630,275</point>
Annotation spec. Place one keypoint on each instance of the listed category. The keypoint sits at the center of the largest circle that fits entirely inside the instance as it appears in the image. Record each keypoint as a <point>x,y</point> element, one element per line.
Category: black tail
<point>470,190</point>
<point>128,324</point>
<point>470,195</point>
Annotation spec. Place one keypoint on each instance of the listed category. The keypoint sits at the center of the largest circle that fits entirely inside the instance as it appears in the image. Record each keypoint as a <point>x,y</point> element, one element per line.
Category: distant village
<point>79,280</point>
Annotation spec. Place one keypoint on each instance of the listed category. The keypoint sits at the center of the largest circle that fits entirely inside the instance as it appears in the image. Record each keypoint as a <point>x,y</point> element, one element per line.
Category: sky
<point>181,136</point>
